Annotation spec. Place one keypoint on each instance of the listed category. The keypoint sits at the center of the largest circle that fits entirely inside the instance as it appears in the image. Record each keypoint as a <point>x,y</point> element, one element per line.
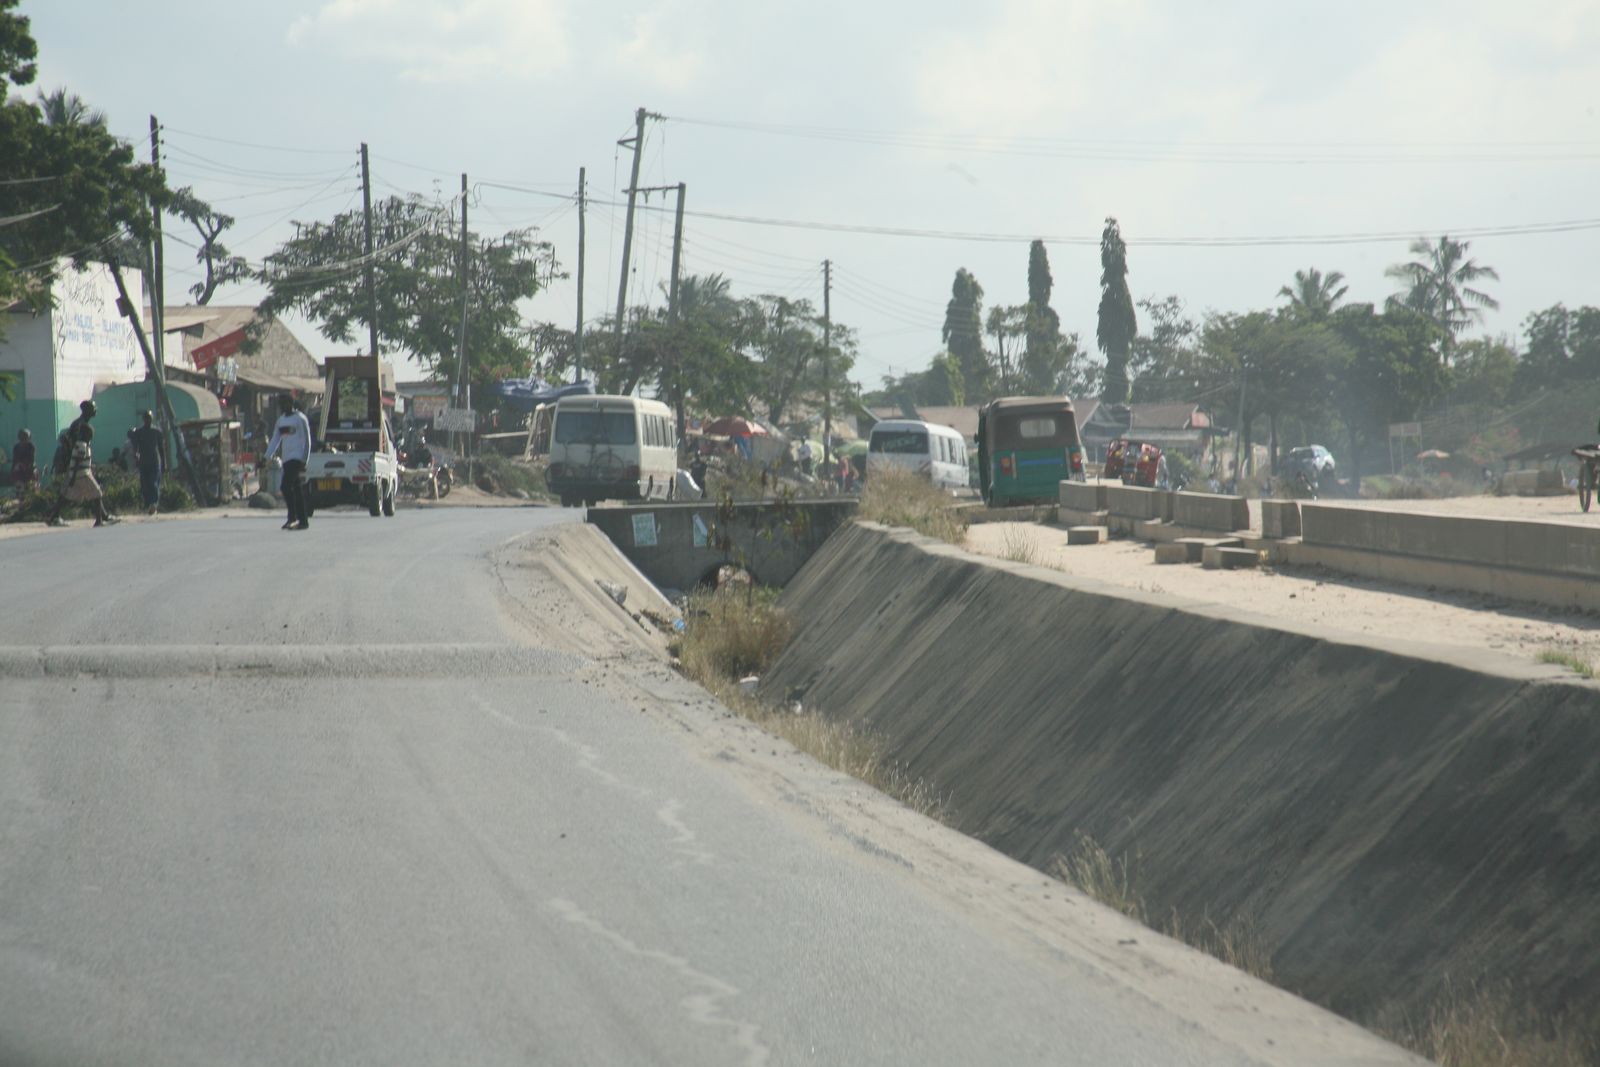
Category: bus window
<point>595,428</point>
<point>900,442</point>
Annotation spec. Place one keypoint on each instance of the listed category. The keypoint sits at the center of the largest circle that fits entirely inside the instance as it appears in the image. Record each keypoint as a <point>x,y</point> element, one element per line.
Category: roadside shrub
<point>494,473</point>
<point>900,498</point>
<point>731,633</point>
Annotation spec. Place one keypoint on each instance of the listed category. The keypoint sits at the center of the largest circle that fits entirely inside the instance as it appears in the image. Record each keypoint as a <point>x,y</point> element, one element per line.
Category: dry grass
<point>1484,1028</point>
<point>736,633</point>
<point>900,498</point>
<point>1480,1028</point>
<point>1020,546</point>
<point>1582,667</point>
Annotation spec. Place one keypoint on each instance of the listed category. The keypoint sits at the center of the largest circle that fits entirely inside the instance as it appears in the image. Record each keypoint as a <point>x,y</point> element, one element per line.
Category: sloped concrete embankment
<point>1388,820</point>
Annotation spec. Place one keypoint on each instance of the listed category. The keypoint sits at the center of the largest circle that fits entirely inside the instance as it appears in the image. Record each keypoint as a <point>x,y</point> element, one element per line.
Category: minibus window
<point>595,428</point>
<point>900,442</point>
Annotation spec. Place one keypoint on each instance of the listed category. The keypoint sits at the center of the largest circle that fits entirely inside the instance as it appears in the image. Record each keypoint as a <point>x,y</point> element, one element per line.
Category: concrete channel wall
<point>1385,819</point>
<point>1557,564</point>
<point>681,545</point>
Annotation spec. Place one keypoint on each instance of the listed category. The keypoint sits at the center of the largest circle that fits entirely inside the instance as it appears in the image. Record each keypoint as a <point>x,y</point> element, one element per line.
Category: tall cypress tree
<point>1041,358</point>
<point>1117,326</point>
<point>963,334</point>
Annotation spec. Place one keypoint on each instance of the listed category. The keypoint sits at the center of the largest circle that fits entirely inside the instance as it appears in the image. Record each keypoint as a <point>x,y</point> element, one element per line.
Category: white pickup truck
<point>356,461</point>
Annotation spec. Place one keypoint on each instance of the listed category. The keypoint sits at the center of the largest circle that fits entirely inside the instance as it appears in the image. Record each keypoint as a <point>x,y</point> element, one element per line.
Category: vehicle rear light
<point>1075,460</point>
<point>1005,465</point>
<point>555,470</point>
<point>630,473</point>
<point>358,478</point>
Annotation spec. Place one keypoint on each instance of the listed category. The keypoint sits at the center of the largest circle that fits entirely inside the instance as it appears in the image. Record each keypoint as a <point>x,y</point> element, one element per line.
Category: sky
<point>984,124</point>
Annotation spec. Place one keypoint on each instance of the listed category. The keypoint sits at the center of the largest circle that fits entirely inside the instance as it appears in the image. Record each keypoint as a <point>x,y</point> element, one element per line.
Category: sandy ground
<point>1313,596</point>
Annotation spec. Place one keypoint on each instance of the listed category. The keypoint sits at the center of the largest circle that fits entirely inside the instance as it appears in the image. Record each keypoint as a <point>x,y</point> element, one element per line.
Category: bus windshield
<point>595,428</point>
<point>900,442</point>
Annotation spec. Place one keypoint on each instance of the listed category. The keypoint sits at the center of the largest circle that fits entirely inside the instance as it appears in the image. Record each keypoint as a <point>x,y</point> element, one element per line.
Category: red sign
<point>208,353</point>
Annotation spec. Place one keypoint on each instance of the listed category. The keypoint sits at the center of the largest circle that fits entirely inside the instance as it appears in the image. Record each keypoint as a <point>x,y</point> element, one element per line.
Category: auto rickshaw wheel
<point>1586,480</point>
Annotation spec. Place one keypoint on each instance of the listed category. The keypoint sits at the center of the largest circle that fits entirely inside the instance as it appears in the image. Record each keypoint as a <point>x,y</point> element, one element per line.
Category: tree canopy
<point>319,272</point>
<point>1439,283</point>
<point>1116,325</point>
<point>963,333</point>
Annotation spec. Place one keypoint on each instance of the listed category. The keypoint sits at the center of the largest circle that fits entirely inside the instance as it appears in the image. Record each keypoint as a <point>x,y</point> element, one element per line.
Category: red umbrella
<point>733,426</point>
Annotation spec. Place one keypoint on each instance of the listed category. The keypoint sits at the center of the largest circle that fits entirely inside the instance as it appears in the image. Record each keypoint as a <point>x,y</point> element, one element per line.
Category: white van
<point>611,448</point>
<point>938,453</point>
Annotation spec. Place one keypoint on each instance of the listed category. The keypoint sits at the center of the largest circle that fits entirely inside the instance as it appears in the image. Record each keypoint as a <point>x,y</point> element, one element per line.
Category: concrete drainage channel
<point>1389,821</point>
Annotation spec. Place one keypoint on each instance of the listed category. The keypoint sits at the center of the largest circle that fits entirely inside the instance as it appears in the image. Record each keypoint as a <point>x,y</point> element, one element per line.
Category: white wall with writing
<point>93,344</point>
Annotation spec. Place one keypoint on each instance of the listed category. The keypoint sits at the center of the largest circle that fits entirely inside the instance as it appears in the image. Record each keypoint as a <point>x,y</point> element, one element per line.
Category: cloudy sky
<point>985,123</point>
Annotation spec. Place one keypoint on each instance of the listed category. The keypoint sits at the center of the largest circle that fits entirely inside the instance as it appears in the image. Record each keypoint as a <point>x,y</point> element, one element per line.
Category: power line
<point>1150,151</point>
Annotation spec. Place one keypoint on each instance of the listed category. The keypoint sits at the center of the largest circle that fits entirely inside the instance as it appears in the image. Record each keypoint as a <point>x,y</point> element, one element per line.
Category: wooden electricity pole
<point>372,284</point>
<point>827,365</point>
<point>636,142</point>
<point>158,275</point>
<point>672,312</point>
<point>577,330</point>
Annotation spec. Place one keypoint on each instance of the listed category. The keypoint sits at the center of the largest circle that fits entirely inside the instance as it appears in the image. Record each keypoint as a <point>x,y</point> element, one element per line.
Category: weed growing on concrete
<point>1020,546</point>
<point>1582,667</point>
<point>900,498</point>
<point>732,634</point>
<point>1483,1028</point>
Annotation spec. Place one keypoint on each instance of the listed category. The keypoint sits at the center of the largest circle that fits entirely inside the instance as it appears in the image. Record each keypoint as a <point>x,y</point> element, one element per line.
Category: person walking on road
<point>24,463</point>
<point>81,487</point>
<point>291,439</point>
<point>150,458</point>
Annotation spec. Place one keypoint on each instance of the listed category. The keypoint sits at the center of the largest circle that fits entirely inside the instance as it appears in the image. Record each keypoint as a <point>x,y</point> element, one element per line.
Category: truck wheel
<point>388,503</point>
<point>375,501</point>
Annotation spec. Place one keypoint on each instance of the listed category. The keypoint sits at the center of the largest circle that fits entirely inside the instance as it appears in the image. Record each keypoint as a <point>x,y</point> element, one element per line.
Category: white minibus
<point>611,448</point>
<point>938,453</point>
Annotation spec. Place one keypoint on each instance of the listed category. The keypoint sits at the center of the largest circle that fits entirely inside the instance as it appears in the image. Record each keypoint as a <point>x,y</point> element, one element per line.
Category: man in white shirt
<point>291,439</point>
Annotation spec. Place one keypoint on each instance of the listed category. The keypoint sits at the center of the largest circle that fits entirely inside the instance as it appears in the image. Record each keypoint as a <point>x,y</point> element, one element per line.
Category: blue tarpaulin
<point>525,394</point>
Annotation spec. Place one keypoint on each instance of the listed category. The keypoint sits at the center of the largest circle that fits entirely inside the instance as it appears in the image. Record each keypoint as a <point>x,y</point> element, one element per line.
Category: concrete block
<point>1172,552</point>
<point>1280,519</point>
<point>1215,558</point>
<point>1196,546</point>
<point>1082,496</point>
<point>1087,535</point>
<point>1154,530</point>
<point>1209,511</point>
<point>1132,502</point>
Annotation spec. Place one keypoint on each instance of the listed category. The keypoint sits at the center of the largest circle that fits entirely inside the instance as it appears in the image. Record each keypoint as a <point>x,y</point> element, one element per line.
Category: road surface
<point>379,793</point>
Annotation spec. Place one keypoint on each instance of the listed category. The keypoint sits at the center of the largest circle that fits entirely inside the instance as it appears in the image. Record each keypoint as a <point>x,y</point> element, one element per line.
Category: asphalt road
<point>231,833</point>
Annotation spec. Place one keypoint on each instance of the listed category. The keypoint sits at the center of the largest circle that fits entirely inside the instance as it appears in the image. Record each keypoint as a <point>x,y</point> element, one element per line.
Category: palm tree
<point>65,108</point>
<point>1314,295</point>
<point>1438,284</point>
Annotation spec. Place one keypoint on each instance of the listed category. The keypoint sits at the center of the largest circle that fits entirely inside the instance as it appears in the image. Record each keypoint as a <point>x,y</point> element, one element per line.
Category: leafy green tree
<point>1165,360</point>
<point>319,272</point>
<point>1314,295</point>
<point>222,267</point>
<point>1117,325</point>
<point>1484,372</point>
<point>1563,347</point>
<point>1007,325</point>
<point>1439,284</point>
<point>940,385</point>
<point>1047,354</point>
<point>963,334</point>
<point>1390,371</point>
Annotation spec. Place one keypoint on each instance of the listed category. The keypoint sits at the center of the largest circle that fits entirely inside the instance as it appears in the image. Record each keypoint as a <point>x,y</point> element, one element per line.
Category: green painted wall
<point>42,418</point>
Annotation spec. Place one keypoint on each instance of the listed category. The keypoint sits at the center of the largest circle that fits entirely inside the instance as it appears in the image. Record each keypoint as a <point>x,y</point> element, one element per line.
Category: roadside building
<point>65,354</point>
<point>1176,428</point>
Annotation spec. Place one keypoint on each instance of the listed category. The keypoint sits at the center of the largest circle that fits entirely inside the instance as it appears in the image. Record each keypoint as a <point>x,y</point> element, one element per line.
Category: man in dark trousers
<point>291,439</point>
<point>149,453</point>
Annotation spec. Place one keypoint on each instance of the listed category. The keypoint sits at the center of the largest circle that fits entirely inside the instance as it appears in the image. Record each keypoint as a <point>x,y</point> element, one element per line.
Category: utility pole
<point>636,142</point>
<point>168,417</point>
<point>372,285</point>
<point>158,276</point>
<point>463,383</point>
<point>672,310</point>
<point>577,331</point>
<point>1238,463</point>
<point>827,365</point>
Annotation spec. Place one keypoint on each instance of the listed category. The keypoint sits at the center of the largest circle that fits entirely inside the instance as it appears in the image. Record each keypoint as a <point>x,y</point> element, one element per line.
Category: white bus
<point>611,448</point>
<point>938,453</point>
